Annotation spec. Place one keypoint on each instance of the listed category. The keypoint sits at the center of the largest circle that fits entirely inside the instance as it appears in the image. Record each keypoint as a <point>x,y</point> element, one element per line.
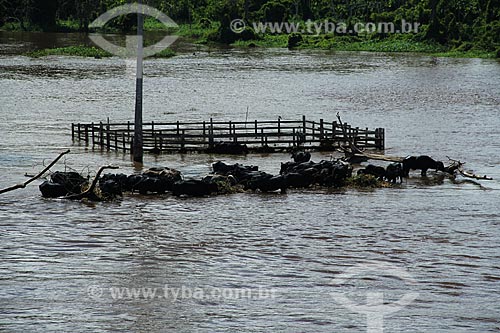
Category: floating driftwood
<point>379,157</point>
<point>457,165</point>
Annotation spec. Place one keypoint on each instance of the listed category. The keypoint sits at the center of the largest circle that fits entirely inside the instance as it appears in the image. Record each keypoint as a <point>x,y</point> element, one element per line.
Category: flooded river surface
<point>74,267</point>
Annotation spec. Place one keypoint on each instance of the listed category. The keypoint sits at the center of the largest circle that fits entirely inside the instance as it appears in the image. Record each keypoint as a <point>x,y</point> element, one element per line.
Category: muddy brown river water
<point>72,267</point>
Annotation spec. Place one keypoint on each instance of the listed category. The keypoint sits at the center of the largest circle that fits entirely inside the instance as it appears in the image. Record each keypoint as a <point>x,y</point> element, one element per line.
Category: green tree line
<point>448,22</point>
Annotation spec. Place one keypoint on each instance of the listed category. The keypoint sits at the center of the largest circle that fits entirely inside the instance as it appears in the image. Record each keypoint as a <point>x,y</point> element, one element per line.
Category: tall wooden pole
<point>138,138</point>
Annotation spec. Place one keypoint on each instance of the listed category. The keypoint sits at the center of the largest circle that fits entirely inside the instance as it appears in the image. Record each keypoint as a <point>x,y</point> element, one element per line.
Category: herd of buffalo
<point>227,178</point>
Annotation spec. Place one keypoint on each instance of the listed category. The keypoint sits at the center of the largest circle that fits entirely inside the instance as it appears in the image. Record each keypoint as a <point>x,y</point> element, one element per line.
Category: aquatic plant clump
<point>87,51</point>
<point>365,181</point>
<point>78,51</point>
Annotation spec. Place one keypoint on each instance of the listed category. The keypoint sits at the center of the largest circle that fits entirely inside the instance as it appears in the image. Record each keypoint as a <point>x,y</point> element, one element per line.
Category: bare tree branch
<point>472,175</point>
<point>89,193</point>
<point>23,185</point>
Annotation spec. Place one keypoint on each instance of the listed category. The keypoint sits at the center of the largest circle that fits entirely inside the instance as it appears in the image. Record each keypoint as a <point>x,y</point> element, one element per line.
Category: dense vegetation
<point>459,25</point>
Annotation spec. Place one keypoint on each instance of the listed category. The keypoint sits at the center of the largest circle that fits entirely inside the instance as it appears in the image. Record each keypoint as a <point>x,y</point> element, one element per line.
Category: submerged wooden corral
<point>269,136</point>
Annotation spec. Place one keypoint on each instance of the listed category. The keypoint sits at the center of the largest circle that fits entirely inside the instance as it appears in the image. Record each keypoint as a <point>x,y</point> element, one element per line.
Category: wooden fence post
<point>101,135</point>
<point>211,134</point>
<point>153,133</point>
<point>382,138</point>
<point>107,136</point>
<point>73,131</point>
<point>86,126</point>
<point>183,140</point>
<point>93,135</point>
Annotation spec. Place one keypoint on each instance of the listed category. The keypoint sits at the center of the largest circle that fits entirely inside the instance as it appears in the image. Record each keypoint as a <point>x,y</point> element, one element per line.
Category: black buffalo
<point>154,180</point>
<point>194,188</point>
<point>324,173</point>
<point>110,188</point>
<point>52,190</point>
<point>272,184</point>
<point>298,180</point>
<point>289,167</point>
<point>301,156</point>
<point>376,171</point>
<point>423,163</point>
<point>231,148</point>
<point>393,172</point>
<point>62,184</point>
<point>150,184</point>
<point>72,181</point>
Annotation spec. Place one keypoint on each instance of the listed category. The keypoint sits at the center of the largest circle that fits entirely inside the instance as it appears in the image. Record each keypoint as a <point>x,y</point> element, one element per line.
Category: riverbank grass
<point>356,44</point>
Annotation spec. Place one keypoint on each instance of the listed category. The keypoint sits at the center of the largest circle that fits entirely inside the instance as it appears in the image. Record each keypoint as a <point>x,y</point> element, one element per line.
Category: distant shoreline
<point>208,35</point>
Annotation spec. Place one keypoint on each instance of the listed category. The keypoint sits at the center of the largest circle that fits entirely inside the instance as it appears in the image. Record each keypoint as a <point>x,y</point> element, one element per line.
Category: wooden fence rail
<point>277,135</point>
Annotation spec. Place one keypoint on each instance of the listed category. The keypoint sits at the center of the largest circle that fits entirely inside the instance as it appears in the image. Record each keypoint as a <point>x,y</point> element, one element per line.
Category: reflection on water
<point>445,235</point>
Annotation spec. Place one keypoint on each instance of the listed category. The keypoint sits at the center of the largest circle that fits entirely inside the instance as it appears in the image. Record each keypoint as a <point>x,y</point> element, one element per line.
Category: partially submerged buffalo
<point>250,177</point>
<point>193,187</point>
<point>62,184</point>
<point>154,180</point>
<point>392,173</point>
<point>230,148</point>
<point>373,170</point>
<point>301,156</point>
<point>324,173</point>
<point>230,178</point>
